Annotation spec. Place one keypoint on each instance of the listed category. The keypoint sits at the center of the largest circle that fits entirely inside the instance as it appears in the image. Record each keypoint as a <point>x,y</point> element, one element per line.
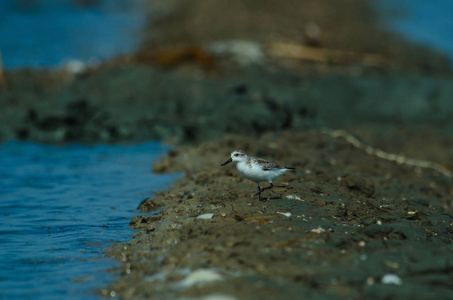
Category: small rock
<point>201,277</point>
<point>149,205</point>
<point>286,214</point>
<point>318,230</point>
<point>294,197</point>
<point>391,279</point>
<point>205,216</point>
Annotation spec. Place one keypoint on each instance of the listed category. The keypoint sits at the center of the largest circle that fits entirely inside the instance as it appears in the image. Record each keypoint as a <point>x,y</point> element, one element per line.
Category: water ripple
<point>60,206</point>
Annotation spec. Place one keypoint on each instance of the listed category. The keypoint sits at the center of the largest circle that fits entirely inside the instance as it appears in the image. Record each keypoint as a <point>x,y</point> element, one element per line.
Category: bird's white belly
<point>256,174</point>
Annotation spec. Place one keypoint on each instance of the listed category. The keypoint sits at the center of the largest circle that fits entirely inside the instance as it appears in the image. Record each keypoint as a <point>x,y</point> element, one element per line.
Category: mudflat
<point>345,223</point>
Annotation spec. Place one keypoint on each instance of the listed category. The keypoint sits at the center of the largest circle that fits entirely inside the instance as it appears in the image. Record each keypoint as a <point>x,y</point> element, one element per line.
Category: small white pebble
<point>294,197</point>
<point>286,214</point>
<point>318,230</point>
<point>391,279</point>
<point>205,216</point>
<point>201,277</point>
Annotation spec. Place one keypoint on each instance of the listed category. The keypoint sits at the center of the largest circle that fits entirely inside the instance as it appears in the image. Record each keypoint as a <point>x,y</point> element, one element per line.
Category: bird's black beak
<point>227,162</point>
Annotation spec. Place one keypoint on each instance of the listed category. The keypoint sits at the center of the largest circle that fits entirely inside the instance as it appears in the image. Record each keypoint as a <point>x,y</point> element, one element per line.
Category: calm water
<point>427,22</point>
<point>45,33</point>
<point>60,206</point>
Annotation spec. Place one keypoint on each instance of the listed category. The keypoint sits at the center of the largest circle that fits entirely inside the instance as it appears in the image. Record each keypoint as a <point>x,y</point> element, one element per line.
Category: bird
<point>256,169</point>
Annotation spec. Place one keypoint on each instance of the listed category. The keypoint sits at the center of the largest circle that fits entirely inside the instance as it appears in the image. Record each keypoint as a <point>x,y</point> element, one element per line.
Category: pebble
<point>286,214</point>
<point>294,197</point>
<point>318,230</point>
<point>391,279</point>
<point>205,216</point>
<point>201,277</point>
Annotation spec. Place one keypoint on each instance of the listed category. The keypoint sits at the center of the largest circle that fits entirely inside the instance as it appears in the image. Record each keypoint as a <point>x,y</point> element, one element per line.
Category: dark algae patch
<point>142,103</point>
<point>345,224</point>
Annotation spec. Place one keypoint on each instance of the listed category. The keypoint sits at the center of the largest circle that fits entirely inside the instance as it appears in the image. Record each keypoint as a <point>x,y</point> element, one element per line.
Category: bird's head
<point>236,155</point>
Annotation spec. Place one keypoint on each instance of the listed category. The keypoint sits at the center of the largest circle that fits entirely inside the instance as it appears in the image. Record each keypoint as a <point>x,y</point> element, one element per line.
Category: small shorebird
<point>256,169</point>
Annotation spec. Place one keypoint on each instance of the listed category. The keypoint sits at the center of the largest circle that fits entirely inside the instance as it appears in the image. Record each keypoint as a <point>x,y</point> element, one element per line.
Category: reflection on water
<point>43,33</point>
<point>60,206</point>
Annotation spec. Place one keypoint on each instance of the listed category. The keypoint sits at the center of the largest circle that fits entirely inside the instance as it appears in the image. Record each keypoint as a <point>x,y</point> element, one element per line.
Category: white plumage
<point>256,169</point>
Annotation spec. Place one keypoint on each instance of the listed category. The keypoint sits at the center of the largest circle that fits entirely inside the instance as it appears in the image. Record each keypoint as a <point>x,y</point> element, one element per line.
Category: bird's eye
<point>236,154</point>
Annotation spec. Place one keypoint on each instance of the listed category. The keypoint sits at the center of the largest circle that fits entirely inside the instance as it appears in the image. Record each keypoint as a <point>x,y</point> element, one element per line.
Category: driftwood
<point>317,54</point>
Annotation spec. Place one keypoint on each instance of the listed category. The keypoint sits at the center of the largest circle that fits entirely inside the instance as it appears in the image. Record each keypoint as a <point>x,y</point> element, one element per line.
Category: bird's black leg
<point>262,189</point>
<point>266,188</point>
<point>259,192</point>
<point>269,187</point>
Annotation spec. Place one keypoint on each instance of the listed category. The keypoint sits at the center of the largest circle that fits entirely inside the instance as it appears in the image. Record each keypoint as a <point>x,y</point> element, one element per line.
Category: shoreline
<point>336,226</point>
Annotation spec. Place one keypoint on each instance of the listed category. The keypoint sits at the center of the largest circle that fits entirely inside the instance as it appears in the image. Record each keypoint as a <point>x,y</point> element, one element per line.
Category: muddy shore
<point>345,224</point>
<point>185,109</point>
<point>351,221</point>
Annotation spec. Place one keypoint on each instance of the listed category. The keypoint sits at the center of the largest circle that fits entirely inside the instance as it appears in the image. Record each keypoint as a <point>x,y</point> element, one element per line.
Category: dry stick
<point>318,54</point>
<point>388,156</point>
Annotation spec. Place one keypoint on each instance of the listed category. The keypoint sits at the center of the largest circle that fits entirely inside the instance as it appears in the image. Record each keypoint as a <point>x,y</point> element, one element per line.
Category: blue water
<point>426,22</point>
<point>60,207</point>
<point>47,33</point>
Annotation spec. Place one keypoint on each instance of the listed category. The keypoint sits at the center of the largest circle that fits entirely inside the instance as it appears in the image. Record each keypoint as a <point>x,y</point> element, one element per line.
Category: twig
<point>323,54</point>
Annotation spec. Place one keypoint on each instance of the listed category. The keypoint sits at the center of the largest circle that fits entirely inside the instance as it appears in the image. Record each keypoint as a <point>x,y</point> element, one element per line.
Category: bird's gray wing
<point>267,165</point>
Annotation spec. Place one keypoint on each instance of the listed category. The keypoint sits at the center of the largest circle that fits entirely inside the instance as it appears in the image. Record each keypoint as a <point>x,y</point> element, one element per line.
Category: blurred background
<point>128,53</point>
<point>41,34</point>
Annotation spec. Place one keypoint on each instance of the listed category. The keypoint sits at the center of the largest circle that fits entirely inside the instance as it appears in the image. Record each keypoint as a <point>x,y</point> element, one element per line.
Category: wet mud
<point>344,224</point>
<point>128,104</point>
